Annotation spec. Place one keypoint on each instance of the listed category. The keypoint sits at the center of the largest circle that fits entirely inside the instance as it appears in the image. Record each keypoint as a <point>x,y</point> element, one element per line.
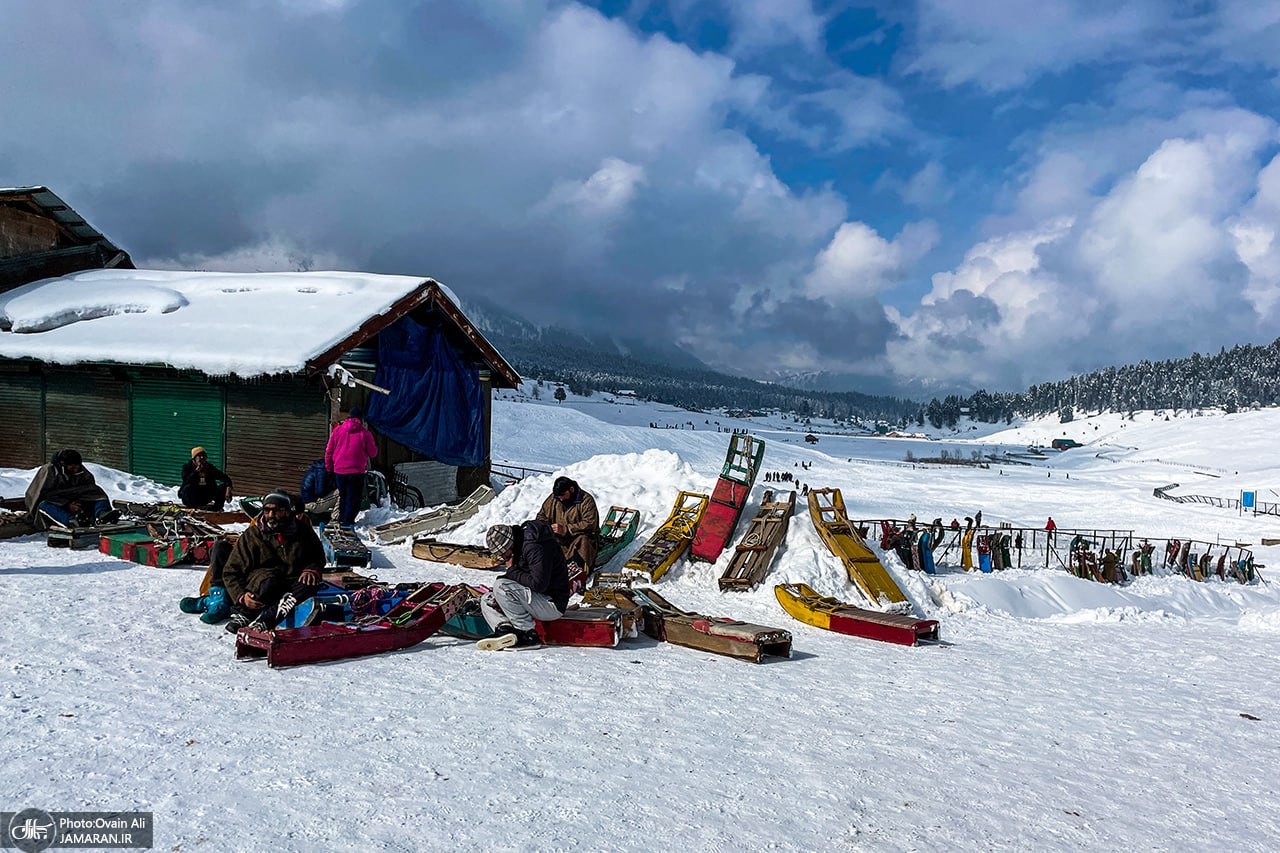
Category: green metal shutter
<point>89,413</point>
<point>275,430</point>
<point>167,418</point>
<point>22,436</point>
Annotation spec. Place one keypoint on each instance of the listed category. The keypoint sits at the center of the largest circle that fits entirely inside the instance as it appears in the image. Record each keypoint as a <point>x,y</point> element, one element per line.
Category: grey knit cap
<point>500,540</point>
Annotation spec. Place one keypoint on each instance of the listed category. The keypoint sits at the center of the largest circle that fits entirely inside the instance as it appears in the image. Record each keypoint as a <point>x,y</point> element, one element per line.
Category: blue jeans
<point>65,517</point>
<point>350,494</point>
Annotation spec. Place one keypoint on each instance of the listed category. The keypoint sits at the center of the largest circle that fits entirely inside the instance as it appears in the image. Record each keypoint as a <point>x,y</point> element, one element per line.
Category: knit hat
<point>500,540</point>
<point>196,451</point>
<point>561,485</point>
<point>69,457</point>
<point>355,412</point>
<point>278,499</point>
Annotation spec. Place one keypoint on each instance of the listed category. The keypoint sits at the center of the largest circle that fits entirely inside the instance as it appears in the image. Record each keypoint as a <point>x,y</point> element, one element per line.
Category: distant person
<point>1052,527</point>
<point>574,520</point>
<point>535,585</point>
<point>277,562</point>
<point>347,456</point>
<point>204,485</point>
<point>317,483</point>
<point>64,493</point>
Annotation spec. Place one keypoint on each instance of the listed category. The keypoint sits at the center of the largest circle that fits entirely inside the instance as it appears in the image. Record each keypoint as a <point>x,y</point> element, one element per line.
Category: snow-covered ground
<point>1061,714</point>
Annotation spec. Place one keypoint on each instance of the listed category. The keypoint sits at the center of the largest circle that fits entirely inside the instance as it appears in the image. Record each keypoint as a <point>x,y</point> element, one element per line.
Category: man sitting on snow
<point>535,585</point>
<point>64,493</point>
<point>574,521</point>
<point>275,563</point>
<point>204,485</point>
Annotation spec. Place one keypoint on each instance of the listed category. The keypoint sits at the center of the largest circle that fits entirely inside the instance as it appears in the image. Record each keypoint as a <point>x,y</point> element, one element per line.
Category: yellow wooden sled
<point>826,508</point>
<point>670,541</point>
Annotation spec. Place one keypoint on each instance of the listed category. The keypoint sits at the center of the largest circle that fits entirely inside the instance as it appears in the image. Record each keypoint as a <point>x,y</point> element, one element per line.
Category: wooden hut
<point>135,367</point>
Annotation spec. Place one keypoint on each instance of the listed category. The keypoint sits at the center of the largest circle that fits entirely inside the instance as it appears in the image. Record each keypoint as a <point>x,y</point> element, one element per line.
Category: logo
<point>32,830</point>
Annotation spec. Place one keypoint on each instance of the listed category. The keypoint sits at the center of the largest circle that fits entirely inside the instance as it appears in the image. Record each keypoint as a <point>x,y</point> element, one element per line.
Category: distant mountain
<point>519,339</point>
<point>826,380</point>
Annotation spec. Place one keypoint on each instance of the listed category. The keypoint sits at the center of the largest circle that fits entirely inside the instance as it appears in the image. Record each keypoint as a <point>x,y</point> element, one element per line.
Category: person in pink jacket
<point>347,456</point>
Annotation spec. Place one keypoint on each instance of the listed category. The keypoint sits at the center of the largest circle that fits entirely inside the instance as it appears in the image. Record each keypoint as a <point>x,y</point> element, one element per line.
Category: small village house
<point>135,367</point>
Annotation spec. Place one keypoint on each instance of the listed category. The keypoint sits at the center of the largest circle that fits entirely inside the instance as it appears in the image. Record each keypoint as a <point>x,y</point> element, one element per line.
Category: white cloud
<point>758,25</point>
<point>606,193</point>
<point>858,263</point>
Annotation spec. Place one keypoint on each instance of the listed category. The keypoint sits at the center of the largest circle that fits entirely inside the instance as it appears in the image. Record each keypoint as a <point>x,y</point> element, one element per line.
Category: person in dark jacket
<point>535,585</point>
<point>204,486</point>
<point>275,563</point>
<point>317,483</point>
<point>64,493</point>
<point>574,520</point>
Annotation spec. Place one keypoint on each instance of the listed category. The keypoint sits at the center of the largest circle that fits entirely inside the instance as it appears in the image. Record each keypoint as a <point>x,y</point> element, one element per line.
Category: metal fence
<point>1259,507</point>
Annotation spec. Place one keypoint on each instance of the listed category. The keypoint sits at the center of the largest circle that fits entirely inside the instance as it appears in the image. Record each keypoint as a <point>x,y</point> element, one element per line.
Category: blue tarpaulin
<point>436,405</point>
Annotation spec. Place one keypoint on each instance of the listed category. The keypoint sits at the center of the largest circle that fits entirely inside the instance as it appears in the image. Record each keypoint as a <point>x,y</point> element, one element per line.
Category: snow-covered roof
<point>249,324</point>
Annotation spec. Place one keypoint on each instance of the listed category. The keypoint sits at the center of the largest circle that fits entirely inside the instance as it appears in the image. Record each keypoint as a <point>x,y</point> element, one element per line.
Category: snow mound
<point>52,308</point>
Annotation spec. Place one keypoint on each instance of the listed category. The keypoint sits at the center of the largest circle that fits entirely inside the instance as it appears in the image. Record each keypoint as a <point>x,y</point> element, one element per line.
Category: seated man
<point>574,520</point>
<point>64,493</point>
<point>204,486</point>
<point>535,585</point>
<point>275,563</point>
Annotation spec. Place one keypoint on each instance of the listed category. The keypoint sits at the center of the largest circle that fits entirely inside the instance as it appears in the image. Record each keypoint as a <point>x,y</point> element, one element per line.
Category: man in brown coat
<point>574,520</point>
<point>276,563</point>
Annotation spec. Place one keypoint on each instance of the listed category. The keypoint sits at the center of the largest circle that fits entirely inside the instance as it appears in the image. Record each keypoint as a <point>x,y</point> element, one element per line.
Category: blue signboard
<point>1248,499</point>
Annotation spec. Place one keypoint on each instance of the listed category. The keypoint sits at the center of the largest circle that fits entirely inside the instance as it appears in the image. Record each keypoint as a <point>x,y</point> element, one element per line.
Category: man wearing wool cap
<point>275,563</point>
<point>535,585</point>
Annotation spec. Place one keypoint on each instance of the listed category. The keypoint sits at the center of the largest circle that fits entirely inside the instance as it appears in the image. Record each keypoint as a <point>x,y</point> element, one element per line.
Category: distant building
<point>624,393</point>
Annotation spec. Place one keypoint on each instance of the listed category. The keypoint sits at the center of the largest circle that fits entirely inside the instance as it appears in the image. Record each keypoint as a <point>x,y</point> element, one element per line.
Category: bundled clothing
<point>317,482</point>
<point>581,520</point>
<point>203,487</point>
<point>54,490</point>
<point>271,563</point>
<point>537,584</point>
<point>347,456</point>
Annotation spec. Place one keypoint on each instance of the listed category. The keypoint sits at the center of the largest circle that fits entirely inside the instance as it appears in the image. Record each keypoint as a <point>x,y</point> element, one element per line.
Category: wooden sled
<point>616,532</point>
<point>413,620</point>
<point>596,627</point>
<point>146,550</point>
<point>343,547</point>
<point>86,538</point>
<point>434,521</point>
<point>670,541</point>
<point>469,556</point>
<point>826,508</point>
<point>755,552</point>
<point>666,622</point>
<point>165,511</point>
<point>805,605</point>
<point>738,475</point>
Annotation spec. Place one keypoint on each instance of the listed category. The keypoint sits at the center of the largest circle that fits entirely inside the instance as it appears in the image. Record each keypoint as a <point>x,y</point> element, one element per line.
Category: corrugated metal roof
<point>59,211</point>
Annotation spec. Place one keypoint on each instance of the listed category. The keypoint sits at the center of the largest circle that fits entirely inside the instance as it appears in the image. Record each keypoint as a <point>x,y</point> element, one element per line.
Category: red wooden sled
<point>413,620</point>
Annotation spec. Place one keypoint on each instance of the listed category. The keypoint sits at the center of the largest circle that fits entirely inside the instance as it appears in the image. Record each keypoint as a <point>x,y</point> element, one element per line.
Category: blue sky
<point>941,192</point>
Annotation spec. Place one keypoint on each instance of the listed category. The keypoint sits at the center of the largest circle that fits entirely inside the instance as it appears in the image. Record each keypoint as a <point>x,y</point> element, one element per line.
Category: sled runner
<point>738,475</point>
<point>754,554</point>
<point>163,511</point>
<point>805,605</point>
<point>670,541</point>
<point>419,616</point>
<point>435,521</point>
<point>468,556</point>
<point>666,622</point>
<point>617,531</point>
<point>826,508</point>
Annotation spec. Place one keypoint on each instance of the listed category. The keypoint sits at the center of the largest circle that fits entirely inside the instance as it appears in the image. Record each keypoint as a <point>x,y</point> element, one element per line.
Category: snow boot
<point>194,604</point>
<point>217,606</point>
<point>527,640</point>
<point>239,619</point>
<point>504,636</point>
<point>110,516</point>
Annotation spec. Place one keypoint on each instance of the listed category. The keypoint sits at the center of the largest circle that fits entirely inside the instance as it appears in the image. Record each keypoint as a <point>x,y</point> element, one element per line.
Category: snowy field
<point>1060,715</point>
